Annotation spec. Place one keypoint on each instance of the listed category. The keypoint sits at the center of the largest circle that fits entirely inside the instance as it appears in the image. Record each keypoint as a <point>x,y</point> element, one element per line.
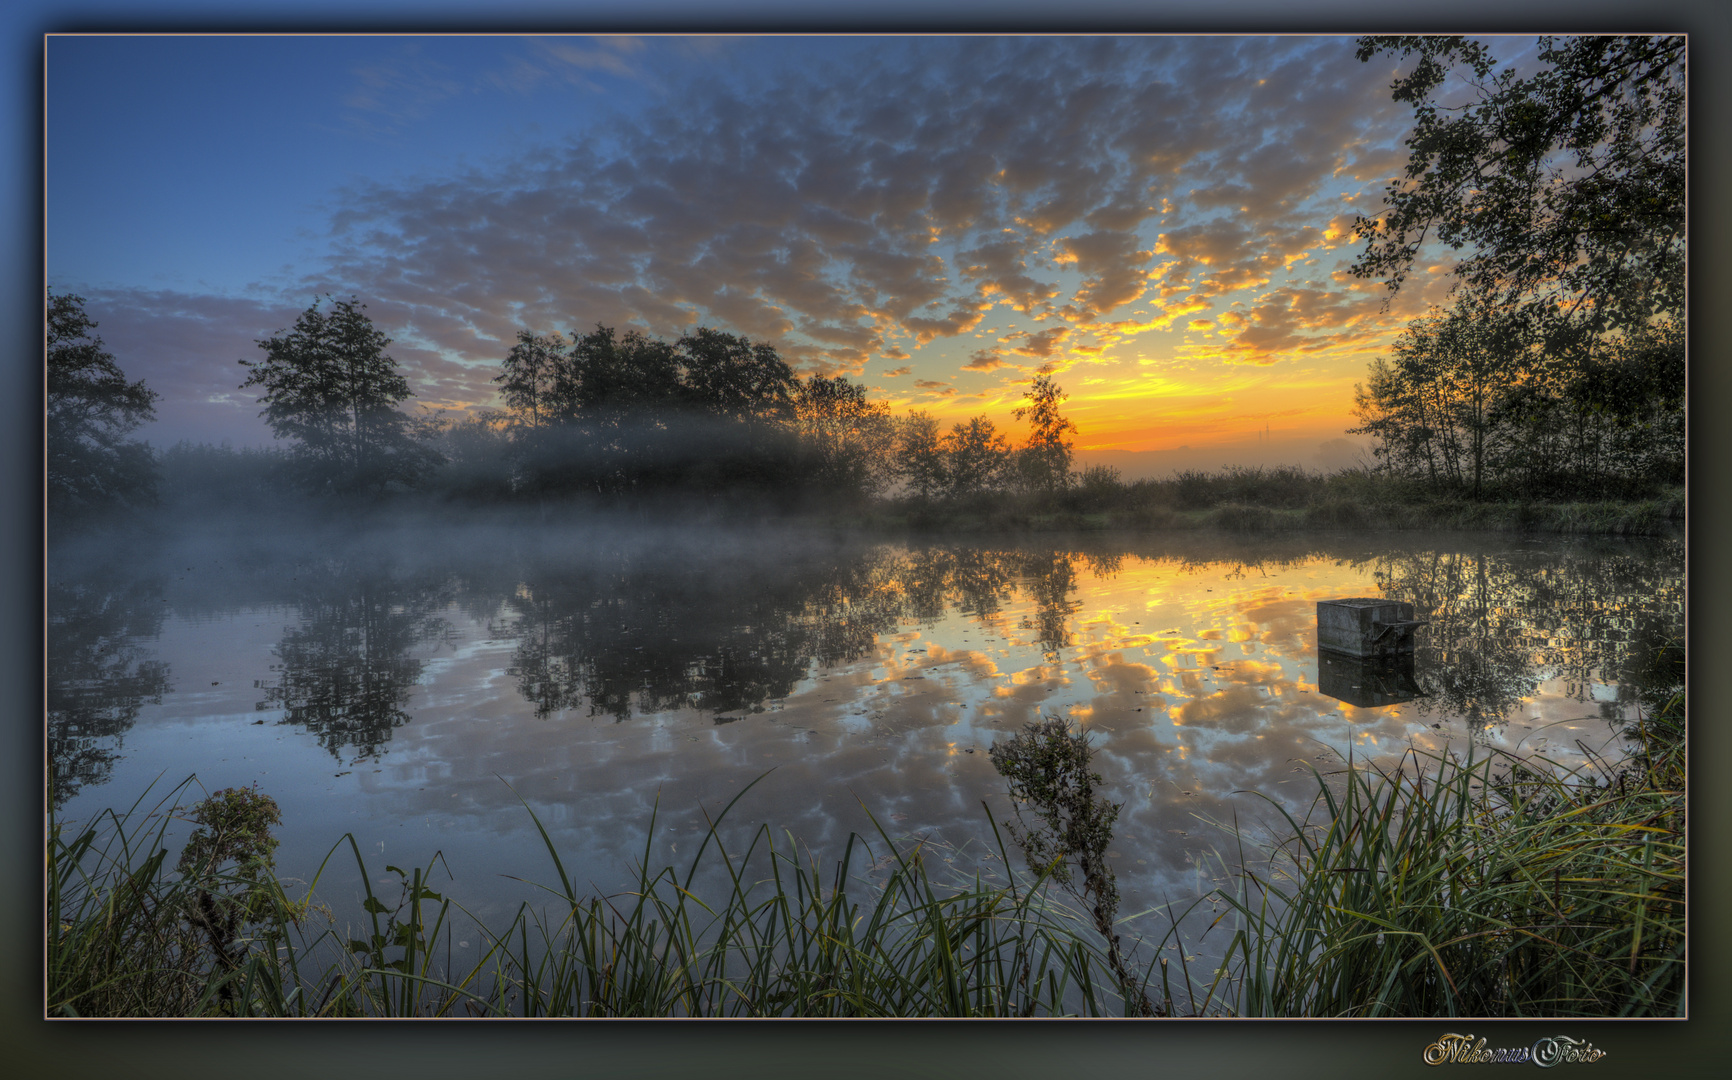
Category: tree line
<point>603,414</point>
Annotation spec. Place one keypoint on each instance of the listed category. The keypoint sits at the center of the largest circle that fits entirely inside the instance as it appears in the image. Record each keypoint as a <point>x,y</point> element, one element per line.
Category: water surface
<point>424,689</point>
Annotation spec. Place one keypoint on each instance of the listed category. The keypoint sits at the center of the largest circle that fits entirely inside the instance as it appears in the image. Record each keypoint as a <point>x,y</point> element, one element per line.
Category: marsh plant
<point>1064,827</point>
<point>226,867</point>
<point>129,937</point>
<point>877,935</point>
<point>1490,886</point>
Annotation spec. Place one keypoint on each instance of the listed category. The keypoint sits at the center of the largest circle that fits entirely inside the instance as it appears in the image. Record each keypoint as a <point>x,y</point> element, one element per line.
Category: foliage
<point>1468,399</point>
<point>126,937</point>
<point>920,455</point>
<point>1566,187</point>
<point>977,459</point>
<point>91,408</point>
<point>329,385</point>
<point>1560,366</point>
<point>614,413</point>
<point>1044,461</point>
<point>227,862</point>
<point>535,378</point>
<point>845,439</point>
<point>1439,406</point>
<point>1454,891</point>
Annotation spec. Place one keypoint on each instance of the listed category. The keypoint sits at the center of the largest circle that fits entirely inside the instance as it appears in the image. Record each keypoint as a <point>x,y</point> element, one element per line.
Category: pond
<point>425,689</point>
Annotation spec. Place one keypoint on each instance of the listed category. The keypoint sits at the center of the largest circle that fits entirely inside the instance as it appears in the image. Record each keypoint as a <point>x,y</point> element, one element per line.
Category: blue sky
<point>1163,223</point>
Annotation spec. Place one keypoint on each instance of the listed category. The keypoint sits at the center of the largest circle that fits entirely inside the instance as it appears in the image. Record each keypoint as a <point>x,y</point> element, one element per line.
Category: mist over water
<point>417,685</point>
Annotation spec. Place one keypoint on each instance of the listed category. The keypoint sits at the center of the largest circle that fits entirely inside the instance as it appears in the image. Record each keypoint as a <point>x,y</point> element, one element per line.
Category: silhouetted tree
<point>535,377</point>
<point>728,376</point>
<point>614,379</point>
<point>91,408</point>
<point>1468,397</point>
<point>976,458</point>
<point>1044,461</point>
<point>920,455</point>
<point>1439,404</point>
<point>846,441</point>
<point>329,385</point>
<point>611,413</point>
<point>1566,186</point>
<point>1565,189</point>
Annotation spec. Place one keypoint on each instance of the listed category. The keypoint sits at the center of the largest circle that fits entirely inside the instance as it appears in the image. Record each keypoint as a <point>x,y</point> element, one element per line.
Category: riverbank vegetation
<point>721,426</point>
<point>1484,886</point>
<point>1496,887</point>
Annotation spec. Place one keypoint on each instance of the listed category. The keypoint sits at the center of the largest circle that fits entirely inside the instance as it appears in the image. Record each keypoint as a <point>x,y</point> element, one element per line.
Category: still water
<point>425,689</point>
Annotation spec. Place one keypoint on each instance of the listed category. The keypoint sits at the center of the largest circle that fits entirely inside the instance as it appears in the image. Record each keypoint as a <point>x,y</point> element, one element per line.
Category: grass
<point>1490,887</point>
<point>1442,887</point>
<point>1288,498</point>
<point>783,939</point>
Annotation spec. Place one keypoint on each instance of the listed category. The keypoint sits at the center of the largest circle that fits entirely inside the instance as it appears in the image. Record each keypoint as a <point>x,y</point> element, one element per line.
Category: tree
<point>728,376</point>
<point>532,375</point>
<point>610,412</point>
<point>91,408</point>
<point>1440,403</point>
<point>1044,462</point>
<point>329,385</point>
<point>1566,187</point>
<point>920,455</point>
<point>977,458</point>
<point>741,396</point>
<point>846,441</point>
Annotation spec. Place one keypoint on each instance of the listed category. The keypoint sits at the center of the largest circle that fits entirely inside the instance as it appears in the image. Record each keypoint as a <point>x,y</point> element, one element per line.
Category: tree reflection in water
<point>1500,622</point>
<point>99,673</point>
<point>623,624</point>
<point>629,632</point>
<point>346,672</point>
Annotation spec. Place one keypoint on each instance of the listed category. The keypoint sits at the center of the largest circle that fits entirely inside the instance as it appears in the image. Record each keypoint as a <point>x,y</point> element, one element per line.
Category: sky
<point>1161,223</point>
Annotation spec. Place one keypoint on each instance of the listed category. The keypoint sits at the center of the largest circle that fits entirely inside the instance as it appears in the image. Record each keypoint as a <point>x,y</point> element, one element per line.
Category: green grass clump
<point>1442,888</point>
<point>782,939</point>
<point>1474,888</point>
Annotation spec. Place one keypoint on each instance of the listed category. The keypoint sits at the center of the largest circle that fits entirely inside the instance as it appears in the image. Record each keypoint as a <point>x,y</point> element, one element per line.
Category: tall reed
<point>1488,887</point>
<point>782,939</point>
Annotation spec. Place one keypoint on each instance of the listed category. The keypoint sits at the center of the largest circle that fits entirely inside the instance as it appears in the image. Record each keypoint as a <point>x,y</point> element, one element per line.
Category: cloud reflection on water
<point>608,680</point>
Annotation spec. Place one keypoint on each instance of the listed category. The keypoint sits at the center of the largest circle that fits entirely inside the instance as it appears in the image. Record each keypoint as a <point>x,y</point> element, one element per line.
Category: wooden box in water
<point>1366,627</point>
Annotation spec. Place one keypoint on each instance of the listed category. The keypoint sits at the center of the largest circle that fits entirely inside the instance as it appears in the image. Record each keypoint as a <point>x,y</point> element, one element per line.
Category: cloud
<point>1109,262</point>
<point>393,93</point>
<point>1042,344</point>
<point>933,387</point>
<point>848,213</point>
<point>904,194</point>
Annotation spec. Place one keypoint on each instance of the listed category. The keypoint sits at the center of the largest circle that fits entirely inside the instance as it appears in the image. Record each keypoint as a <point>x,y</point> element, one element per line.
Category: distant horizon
<point>1327,456</point>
